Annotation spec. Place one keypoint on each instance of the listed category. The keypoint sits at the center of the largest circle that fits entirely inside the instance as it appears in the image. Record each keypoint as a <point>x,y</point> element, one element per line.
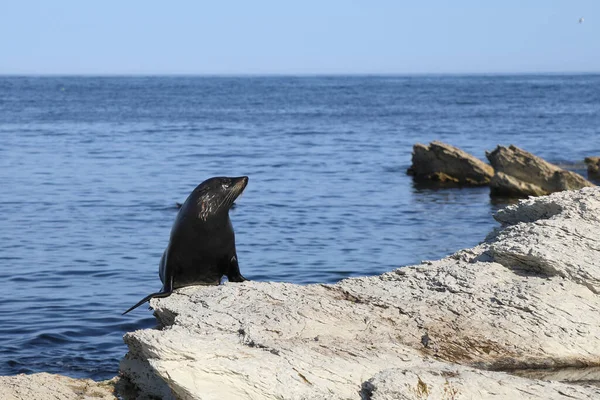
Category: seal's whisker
<point>227,200</point>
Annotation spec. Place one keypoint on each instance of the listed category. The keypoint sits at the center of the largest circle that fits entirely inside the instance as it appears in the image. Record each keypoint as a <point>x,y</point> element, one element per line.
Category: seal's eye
<point>225,184</point>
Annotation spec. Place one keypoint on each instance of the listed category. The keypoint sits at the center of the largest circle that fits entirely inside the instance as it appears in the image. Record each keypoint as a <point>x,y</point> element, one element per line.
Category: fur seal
<point>202,244</point>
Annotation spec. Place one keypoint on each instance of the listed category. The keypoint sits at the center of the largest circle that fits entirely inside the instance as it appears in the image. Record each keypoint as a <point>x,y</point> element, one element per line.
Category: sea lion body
<point>201,247</point>
<point>198,253</point>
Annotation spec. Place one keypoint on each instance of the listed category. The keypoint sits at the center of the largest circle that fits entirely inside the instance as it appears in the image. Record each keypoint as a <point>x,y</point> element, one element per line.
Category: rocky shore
<point>45,386</point>
<point>523,302</point>
<point>517,316</point>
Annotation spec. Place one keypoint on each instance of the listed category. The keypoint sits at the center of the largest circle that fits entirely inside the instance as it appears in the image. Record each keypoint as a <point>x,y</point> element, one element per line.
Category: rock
<point>524,300</point>
<point>44,386</point>
<point>593,165</point>
<point>505,185</point>
<point>444,163</point>
<point>435,380</point>
<point>521,174</point>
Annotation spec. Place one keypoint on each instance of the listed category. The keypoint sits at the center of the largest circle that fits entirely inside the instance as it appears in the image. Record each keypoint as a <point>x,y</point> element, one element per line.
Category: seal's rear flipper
<point>165,292</point>
<point>145,299</point>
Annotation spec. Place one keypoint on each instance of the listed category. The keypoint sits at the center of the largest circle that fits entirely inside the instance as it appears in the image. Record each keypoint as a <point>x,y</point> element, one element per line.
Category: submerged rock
<point>444,163</point>
<point>45,386</point>
<point>593,166</point>
<point>521,174</point>
<point>525,299</point>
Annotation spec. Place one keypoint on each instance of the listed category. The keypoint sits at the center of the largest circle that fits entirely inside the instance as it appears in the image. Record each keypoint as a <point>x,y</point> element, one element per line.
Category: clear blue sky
<point>298,37</point>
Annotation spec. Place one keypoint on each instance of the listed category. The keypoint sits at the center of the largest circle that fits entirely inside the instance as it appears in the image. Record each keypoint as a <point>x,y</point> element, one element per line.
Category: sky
<point>231,37</point>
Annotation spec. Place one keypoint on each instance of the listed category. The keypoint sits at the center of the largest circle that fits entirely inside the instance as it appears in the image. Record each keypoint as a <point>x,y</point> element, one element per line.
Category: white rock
<point>45,386</point>
<point>527,298</point>
<point>446,381</point>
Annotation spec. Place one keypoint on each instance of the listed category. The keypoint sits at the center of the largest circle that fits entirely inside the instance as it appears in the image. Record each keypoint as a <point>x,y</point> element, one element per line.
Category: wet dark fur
<point>202,245</point>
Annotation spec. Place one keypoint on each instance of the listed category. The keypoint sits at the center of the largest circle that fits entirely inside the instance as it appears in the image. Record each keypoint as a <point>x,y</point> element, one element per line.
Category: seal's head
<point>215,196</point>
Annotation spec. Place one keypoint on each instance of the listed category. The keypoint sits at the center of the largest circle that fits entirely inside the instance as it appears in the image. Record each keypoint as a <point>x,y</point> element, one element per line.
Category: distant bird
<point>581,20</point>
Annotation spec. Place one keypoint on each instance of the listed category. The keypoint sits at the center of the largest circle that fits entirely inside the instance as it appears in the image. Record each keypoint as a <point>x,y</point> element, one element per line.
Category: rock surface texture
<point>521,174</point>
<point>525,301</point>
<point>444,163</point>
<point>447,382</point>
<point>54,387</point>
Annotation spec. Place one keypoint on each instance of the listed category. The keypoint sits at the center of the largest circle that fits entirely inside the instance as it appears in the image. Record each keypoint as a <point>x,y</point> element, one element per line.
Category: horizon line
<point>292,74</point>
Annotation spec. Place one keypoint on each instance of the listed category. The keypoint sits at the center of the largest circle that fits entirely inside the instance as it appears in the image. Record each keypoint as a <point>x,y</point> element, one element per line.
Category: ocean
<point>91,169</point>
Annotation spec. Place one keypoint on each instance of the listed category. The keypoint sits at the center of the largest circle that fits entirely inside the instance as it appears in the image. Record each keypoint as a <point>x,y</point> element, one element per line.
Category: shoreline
<point>525,298</point>
<point>521,302</point>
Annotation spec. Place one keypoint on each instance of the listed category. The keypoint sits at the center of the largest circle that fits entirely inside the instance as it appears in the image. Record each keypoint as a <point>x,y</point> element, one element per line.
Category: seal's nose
<point>240,182</point>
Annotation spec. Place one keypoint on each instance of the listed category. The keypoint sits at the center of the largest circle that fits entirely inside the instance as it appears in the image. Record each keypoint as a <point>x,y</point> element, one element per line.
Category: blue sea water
<point>91,169</point>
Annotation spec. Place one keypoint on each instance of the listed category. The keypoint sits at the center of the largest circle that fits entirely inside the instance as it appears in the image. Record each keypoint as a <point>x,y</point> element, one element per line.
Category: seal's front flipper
<point>166,292</point>
<point>233,274</point>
